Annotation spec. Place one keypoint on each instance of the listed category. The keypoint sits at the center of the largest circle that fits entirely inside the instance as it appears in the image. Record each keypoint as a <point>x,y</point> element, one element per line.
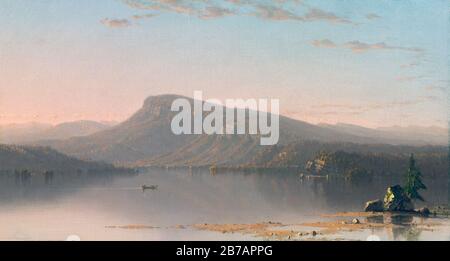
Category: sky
<point>371,63</point>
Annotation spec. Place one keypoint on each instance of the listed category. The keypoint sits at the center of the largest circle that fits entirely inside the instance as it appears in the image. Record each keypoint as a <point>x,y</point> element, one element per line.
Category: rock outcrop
<point>374,206</point>
<point>397,200</point>
<point>424,211</point>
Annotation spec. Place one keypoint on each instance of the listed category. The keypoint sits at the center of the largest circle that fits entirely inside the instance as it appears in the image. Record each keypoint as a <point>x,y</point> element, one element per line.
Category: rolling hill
<point>39,159</point>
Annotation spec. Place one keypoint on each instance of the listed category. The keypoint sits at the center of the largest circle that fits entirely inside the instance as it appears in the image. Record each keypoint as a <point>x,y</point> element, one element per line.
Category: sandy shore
<point>338,226</point>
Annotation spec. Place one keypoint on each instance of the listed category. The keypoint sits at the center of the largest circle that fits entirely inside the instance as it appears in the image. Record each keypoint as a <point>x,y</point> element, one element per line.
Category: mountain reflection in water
<point>105,206</point>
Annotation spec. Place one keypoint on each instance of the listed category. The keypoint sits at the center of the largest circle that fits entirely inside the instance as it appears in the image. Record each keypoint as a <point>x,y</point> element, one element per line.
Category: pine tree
<point>414,181</point>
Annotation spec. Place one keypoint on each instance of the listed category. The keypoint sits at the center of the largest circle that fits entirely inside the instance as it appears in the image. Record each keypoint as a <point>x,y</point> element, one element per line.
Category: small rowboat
<point>152,187</point>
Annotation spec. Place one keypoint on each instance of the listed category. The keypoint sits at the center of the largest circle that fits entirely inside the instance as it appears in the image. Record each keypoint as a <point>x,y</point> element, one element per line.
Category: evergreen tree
<point>414,181</point>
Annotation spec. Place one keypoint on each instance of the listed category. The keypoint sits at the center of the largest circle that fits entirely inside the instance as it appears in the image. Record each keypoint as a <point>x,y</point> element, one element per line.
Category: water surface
<point>114,207</point>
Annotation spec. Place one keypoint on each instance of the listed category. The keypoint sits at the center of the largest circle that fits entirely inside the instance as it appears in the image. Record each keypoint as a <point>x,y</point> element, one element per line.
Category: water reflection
<point>86,204</point>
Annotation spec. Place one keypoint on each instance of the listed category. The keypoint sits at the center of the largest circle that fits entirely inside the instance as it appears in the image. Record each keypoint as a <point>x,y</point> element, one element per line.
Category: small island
<point>401,198</point>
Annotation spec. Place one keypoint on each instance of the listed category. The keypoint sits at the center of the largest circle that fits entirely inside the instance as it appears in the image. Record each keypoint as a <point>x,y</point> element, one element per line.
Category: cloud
<point>372,16</point>
<point>144,16</point>
<point>147,5</point>
<point>353,109</point>
<point>408,78</point>
<point>410,65</point>
<point>240,2</point>
<point>275,13</point>
<point>357,46</point>
<point>315,14</point>
<point>278,10</point>
<point>115,23</point>
<point>215,12</point>
<point>360,47</point>
<point>175,6</point>
<point>325,43</point>
<point>257,2</point>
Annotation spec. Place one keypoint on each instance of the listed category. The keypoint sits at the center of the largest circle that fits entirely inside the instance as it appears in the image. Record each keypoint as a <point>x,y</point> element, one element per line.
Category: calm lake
<point>114,207</point>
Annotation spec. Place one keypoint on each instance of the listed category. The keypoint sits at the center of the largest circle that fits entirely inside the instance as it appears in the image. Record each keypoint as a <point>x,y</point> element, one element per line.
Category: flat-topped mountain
<point>146,136</point>
<point>146,139</point>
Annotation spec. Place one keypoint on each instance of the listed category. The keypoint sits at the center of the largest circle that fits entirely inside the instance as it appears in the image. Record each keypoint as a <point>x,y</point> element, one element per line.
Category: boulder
<point>374,206</point>
<point>424,211</point>
<point>397,200</point>
<point>356,221</point>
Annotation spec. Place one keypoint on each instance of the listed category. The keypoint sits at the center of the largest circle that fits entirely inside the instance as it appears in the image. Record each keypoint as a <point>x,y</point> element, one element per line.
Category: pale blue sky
<point>373,63</point>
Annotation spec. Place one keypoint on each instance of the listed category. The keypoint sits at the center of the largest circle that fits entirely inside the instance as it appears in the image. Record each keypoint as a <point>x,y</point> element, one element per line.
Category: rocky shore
<point>396,200</point>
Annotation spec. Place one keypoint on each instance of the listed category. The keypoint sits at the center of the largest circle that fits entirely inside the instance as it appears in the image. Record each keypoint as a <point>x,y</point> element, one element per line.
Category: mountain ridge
<point>145,138</point>
<point>397,135</point>
<point>32,132</point>
<point>40,159</point>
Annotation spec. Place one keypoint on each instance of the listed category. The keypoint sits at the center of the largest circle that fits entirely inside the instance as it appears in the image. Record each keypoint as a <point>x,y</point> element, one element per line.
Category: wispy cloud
<point>356,109</point>
<point>143,16</point>
<point>315,14</point>
<point>278,10</point>
<point>211,12</point>
<point>410,65</point>
<point>357,46</point>
<point>408,78</point>
<point>372,16</point>
<point>255,2</point>
<point>360,47</point>
<point>115,23</point>
<point>275,13</point>
<point>325,43</point>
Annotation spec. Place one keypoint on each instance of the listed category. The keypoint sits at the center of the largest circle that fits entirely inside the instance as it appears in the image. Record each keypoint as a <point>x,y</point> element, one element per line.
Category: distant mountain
<point>32,132</point>
<point>431,135</point>
<point>413,135</point>
<point>14,133</point>
<point>73,129</point>
<point>146,139</point>
<point>13,157</point>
